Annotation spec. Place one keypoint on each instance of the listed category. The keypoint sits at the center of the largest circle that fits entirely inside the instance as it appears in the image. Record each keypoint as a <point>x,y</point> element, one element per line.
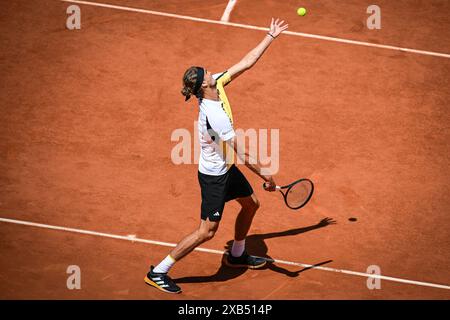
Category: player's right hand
<point>270,184</point>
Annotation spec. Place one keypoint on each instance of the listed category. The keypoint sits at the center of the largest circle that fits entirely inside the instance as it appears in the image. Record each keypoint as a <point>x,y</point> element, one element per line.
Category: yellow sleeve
<point>224,79</point>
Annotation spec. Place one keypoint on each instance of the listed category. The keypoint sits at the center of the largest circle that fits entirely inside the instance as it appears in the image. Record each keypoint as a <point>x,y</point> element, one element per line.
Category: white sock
<point>238,248</point>
<point>165,265</point>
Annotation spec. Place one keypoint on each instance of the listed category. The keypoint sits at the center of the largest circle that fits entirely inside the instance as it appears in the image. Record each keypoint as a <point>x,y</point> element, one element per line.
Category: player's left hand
<point>277,27</point>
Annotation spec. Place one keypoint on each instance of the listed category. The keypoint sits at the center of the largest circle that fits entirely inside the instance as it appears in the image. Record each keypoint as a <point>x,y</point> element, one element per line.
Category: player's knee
<point>254,205</point>
<point>250,205</point>
<point>205,235</point>
<point>210,234</point>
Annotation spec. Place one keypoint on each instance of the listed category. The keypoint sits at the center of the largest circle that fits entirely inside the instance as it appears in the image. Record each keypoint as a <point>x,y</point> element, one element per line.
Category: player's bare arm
<point>252,163</point>
<point>276,28</point>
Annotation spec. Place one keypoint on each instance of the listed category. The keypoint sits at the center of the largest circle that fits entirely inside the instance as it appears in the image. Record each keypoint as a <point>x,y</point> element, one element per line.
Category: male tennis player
<point>220,180</point>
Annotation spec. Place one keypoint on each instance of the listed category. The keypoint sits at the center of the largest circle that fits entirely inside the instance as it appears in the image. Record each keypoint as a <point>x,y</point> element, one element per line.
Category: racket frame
<point>289,186</point>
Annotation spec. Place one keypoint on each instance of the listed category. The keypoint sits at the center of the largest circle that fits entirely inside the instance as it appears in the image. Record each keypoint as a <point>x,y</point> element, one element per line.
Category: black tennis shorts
<point>216,190</point>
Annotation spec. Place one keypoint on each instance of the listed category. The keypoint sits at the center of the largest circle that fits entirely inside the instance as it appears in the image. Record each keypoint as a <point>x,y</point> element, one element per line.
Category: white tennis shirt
<point>215,127</point>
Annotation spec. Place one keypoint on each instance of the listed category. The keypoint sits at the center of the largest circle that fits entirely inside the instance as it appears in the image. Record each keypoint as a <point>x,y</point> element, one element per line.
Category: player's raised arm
<point>276,27</point>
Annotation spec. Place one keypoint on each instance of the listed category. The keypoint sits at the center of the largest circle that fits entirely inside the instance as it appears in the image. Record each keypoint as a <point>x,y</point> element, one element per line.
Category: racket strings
<point>298,194</point>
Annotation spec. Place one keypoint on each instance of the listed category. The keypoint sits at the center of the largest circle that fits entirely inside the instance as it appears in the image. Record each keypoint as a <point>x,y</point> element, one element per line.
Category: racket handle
<point>276,187</point>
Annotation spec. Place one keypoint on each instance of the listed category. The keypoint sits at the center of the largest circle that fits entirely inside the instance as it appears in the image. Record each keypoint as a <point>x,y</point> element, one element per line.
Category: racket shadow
<point>256,246</point>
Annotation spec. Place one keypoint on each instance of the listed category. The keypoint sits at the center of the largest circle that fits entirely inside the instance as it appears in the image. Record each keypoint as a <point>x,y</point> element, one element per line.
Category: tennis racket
<point>297,193</point>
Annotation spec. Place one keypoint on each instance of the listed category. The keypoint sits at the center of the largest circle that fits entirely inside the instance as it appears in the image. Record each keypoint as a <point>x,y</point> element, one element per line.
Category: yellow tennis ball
<point>301,11</point>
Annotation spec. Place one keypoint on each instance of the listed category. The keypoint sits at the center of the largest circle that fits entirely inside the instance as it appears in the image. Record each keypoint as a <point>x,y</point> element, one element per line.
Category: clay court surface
<point>86,121</point>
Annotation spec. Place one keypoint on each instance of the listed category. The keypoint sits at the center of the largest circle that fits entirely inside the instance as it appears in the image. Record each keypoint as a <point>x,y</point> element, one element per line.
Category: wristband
<point>271,35</point>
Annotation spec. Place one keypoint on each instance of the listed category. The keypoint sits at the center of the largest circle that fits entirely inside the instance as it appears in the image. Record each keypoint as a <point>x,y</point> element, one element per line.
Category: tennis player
<point>220,180</point>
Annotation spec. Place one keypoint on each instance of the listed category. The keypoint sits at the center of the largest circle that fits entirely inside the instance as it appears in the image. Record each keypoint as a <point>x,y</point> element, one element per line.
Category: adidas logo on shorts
<point>217,214</point>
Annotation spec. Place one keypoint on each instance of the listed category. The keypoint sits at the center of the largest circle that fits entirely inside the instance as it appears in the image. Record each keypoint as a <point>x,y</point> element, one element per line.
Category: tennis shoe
<point>161,281</point>
<point>245,261</point>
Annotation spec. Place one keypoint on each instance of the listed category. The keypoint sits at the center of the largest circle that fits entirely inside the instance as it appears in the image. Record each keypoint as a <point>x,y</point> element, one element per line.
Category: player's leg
<point>157,276</point>
<point>238,256</point>
<point>240,189</point>
<point>213,201</point>
<point>249,206</point>
<point>205,232</point>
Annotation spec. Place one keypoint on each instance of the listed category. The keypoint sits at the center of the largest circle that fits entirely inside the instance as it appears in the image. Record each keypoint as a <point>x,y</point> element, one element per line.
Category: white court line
<point>228,9</point>
<point>133,238</point>
<point>238,25</point>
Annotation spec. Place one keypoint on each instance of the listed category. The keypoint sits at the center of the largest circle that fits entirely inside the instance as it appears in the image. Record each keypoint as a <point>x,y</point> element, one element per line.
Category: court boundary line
<point>133,238</point>
<point>226,14</point>
<point>239,25</point>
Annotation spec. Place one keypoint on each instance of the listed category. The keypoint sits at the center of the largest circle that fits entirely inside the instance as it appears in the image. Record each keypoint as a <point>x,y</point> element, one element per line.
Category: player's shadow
<point>255,245</point>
